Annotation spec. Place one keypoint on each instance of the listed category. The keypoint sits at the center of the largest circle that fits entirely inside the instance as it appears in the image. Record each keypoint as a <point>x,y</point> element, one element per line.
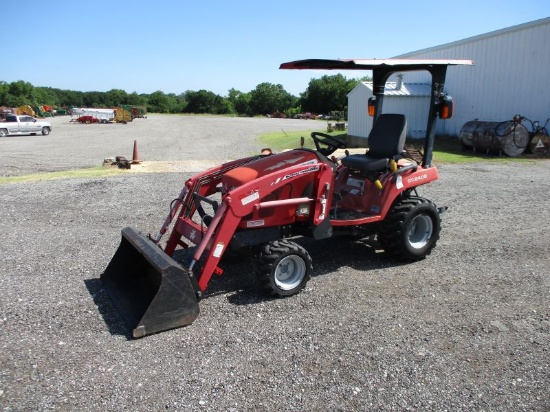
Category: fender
<point>420,177</point>
<point>395,184</point>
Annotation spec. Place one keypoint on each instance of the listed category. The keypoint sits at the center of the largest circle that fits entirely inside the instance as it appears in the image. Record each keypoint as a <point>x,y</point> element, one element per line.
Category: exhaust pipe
<point>150,290</point>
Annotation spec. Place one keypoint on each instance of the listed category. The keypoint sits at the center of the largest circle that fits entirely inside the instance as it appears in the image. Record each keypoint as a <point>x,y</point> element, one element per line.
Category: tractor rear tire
<point>284,267</point>
<point>411,229</point>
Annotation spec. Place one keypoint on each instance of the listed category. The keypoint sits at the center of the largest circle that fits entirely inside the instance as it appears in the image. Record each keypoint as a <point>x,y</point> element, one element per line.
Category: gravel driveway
<point>468,328</point>
<point>176,138</point>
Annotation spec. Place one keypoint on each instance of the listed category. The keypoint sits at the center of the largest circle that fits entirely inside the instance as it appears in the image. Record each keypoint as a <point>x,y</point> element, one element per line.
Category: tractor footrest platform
<point>349,215</point>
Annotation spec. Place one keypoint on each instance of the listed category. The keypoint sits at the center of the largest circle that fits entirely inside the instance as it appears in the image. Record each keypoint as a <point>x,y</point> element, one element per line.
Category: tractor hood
<point>268,164</point>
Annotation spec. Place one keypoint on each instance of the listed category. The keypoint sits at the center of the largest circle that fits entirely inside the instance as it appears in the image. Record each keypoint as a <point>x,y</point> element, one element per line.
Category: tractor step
<point>349,215</point>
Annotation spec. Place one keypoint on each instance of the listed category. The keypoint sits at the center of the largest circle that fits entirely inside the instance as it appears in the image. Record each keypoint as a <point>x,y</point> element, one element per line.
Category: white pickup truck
<point>23,124</point>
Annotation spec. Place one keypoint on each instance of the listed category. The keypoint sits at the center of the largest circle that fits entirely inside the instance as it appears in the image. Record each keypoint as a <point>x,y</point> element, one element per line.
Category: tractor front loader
<point>261,204</point>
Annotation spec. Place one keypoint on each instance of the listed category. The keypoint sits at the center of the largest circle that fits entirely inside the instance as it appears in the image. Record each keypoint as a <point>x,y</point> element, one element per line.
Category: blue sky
<point>174,46</point>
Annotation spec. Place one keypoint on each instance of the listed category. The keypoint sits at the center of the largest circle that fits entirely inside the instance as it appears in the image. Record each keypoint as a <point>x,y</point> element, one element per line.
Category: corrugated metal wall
<point>511,75</point>
<point>415,108</point>
<point>358,119</point>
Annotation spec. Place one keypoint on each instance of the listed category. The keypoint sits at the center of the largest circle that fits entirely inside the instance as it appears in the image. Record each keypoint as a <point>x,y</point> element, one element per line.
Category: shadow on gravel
<point>106,308</point>
<point>329,255</point>
<point>239,280</point>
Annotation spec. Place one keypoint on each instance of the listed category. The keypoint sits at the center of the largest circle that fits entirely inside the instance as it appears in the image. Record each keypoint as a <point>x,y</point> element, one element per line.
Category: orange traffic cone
<point>135,156</point>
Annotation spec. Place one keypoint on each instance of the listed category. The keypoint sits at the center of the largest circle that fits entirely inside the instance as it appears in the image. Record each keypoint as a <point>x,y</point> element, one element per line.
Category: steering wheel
<point>329,141</point>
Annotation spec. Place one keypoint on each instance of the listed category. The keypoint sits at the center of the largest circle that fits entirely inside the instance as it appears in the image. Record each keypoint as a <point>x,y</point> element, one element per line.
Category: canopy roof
<point>373,64</point>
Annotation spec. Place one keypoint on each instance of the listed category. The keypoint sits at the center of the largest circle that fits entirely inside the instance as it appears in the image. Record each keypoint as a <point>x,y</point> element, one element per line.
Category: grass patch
<point>290,140</point>
<point>286,140</point>
<point>447,149</point>
<point>98,171</point>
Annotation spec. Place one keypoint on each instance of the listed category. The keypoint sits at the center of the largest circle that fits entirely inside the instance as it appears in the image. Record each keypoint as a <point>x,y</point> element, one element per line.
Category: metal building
<point>511,75</point>
<point>411,99</point>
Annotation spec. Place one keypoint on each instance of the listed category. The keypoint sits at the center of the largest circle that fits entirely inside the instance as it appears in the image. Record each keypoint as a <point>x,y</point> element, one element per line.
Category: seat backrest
<point>387,137</point>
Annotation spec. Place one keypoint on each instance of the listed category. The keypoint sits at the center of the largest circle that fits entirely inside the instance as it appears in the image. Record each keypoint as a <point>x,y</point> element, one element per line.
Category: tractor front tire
<point>411,229</point>
<point>284,267</point>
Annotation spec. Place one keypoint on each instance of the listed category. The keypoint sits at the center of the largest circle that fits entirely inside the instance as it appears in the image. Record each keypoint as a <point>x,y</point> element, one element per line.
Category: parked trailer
<point>102,115</point>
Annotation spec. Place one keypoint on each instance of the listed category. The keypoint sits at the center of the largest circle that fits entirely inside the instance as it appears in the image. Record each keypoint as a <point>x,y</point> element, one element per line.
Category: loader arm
<point>246,200</point>
<point>203,184</point>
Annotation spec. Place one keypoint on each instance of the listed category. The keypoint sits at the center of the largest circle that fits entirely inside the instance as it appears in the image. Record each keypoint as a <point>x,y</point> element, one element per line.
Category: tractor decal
<point>417,178</point>
<point>399,183</point>
<point>302,172</point>
<point>250,198</point>
<point>255,223</point>
<point>218,250</point>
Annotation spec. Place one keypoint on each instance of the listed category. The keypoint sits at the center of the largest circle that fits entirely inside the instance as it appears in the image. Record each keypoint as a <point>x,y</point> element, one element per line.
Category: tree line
<point>322,96</point>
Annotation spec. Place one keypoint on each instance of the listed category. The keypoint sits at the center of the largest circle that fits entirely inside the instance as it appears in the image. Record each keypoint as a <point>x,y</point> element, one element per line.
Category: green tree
<point>329,93</point>
<point>223,106</point>
<point>157,102</point>
<point>201,101</point>
<point>181,103</point>
<point>19,93</point>
<point>269,98</point>
<point>172,103</point>
<point>46,96</point>
<point>4,91</point>
<point>94,99</point>
<point>204,101</point>
<point>70,98</point>
<point>21,89</point>
<point>135,99</point>
<point>240,102</point>
<point>115,98</point>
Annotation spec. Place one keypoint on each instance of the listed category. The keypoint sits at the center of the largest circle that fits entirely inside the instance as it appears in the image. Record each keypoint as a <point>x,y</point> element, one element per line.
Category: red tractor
<point>261,204</point>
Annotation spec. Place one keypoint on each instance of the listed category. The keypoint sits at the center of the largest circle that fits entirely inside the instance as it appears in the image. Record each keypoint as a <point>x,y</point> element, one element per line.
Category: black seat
<point>386,141</point>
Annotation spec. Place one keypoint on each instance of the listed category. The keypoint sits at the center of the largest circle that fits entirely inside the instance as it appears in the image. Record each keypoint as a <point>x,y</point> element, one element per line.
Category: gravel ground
<point>159,138</point>
<point>468,328</point>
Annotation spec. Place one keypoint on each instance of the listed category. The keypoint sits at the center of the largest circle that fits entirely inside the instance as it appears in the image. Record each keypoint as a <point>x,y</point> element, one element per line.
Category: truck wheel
<point>45,131</point>
<point>284,267</point>
<point>411,229</point>
<point>3,132</point>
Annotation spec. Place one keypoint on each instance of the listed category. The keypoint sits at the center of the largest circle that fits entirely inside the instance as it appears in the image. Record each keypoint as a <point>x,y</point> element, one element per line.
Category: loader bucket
<point>151,291</point>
